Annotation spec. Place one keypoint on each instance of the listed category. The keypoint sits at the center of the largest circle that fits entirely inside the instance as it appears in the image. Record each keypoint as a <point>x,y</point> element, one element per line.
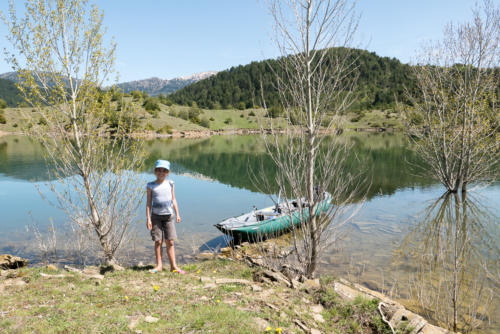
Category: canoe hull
<point>271,227</point>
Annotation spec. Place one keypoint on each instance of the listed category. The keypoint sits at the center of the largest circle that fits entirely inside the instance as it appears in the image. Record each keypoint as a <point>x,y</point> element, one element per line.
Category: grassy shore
<point>46,300</point>
<point>169,120</point>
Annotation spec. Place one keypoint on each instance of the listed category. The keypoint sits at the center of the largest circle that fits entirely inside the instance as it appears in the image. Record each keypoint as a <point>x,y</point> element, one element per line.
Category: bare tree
<point>453,120</point>
<point>62,64</point>
<point>315,83</point>
<point>450,252</point>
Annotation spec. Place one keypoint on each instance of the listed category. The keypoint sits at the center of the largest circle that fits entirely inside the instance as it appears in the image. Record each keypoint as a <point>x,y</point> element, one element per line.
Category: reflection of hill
<point>228,159</point>
<point>22,158</point>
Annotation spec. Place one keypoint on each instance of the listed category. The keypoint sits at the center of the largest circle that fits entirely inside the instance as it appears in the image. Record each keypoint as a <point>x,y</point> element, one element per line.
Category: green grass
<point>182,303</point>
<point>232,119</point>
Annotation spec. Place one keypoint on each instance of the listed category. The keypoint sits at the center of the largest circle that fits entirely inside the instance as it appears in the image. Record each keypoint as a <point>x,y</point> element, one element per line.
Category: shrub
<point>241,106</point>
<point>228,120</point>
<point>14,125</point>
<point>358,117</point>
<point>136,94</point>
<point>241,116</point>
<point>173,113</point>
<point>212,119</point>
<point>183,114</point>
<point>194,115</point>
<point>251,113</point>
<point>3,120</point>
<point>205,122</point>
<point>274,112</point>
<point>42,121</point>
<point>151,104</point>
<point>166,129</point>
<point>149,127</point>
<point>3,104</point>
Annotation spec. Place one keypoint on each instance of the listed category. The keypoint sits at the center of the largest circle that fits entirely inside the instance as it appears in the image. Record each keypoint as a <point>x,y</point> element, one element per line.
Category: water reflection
<point>448,256</point>
<point>228,159</point>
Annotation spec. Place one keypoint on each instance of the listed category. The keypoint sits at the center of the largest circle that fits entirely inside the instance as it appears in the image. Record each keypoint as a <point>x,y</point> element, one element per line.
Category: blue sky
<point>166,38</point>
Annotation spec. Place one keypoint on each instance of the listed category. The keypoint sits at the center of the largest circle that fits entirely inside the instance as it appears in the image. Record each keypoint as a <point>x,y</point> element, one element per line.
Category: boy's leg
<point>171,254</point>
<point>158,251</point>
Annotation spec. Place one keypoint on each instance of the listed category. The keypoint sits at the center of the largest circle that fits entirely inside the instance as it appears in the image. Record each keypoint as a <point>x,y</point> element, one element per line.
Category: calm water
<point>381,247</point>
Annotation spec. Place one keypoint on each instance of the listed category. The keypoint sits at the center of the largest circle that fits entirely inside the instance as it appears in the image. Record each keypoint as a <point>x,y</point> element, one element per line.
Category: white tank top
<point>161,195</point>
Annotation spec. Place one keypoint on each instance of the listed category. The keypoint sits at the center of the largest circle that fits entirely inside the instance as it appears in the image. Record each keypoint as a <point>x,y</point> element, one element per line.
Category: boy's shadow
<point>142,267</point>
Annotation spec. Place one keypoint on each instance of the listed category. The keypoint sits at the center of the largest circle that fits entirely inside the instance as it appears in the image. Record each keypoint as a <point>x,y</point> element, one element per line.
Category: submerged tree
<point>449,255</point>
<point>454,120</point>
<point>62,64</point>
<point>314,86</point>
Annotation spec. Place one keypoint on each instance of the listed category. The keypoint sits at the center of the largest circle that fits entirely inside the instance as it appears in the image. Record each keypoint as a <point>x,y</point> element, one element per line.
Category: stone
<point>261,324</point>
<point>296,284</point>
<point>51,267</point>
<point>133,323</point>
<point>205,256</point>
<point>226,250</point>
<point>8,261</point>
<point>210,286</point>
<point>204,279</point>
<point>318,308</point>
<point>277,277</point>
<point>301,325</point>
<point>232,281</point>
<point>312,284</point>
<point>318,318</point>
<point>151,319</point>
<point>256,288</point>
<point>52,276</point>
<point>315,331</point>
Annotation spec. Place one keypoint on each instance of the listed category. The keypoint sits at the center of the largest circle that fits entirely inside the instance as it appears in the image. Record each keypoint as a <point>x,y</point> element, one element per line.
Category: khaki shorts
<point>163,227</point>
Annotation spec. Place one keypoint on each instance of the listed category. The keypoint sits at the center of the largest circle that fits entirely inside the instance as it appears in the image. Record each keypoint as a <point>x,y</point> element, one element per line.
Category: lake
<point>404,233</point>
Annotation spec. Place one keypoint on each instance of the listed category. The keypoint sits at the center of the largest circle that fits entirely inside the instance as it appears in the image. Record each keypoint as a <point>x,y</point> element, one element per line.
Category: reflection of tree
<point>452,250</point>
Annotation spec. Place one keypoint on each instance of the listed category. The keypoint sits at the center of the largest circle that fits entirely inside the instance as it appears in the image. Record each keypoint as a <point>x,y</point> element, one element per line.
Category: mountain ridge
<point>155,86</point>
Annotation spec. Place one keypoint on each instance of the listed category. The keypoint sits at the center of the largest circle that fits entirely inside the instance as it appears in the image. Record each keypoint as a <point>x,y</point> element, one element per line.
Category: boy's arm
<point>176,208</point>
<point>148,210</point>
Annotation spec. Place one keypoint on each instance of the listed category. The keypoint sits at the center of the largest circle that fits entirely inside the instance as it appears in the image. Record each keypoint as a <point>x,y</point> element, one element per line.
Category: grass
<point>17,119</point>
<point>181,303</point>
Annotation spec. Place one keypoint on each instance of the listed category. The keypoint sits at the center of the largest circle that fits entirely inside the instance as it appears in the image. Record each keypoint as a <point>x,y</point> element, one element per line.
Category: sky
<point>167,38</point>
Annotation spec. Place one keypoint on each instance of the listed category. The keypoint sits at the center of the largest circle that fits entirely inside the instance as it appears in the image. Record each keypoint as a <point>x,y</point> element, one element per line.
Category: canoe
<point>270,221</point>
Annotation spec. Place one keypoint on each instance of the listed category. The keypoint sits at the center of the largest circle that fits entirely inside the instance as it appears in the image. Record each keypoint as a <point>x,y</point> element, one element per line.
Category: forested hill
<point>9,93</point>
<point>381,81</point>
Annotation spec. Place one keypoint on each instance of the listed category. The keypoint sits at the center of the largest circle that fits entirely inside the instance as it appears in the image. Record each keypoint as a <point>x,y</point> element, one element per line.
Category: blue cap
<point>162,164</point>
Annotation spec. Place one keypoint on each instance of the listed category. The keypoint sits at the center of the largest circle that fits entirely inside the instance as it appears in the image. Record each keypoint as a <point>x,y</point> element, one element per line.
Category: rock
<point>232,281</point>
<point>204,279</point>
<point>210,286</point>
<point>318,318</point>
<point>8,261</point>
<point>204,298</point>
<point>318,308</point>
<point>256,288</point>
<point>205,256</point>
<point>276,277</point>
<point>151,319</point>
<point>51,267</point>
<point>301,325</point>
<point>315,331</point>
<point>72,269</point>
<point>261,324</point>
<point>296,284</point>
<point>226,250</point>
<point>52,276</point>
<point>312,284</point>
<point>133,323</point>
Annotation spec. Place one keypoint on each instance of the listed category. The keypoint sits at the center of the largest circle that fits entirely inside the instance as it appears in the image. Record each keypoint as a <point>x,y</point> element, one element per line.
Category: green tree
<point>3,104</point>
<point>57,41</point>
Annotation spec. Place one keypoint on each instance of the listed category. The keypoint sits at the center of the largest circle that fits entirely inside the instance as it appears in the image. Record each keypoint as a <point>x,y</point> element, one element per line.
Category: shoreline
<point>176,134</point>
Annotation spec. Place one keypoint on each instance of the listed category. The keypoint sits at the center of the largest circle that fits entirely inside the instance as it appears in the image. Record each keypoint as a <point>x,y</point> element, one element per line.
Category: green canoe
<point>267,222</point>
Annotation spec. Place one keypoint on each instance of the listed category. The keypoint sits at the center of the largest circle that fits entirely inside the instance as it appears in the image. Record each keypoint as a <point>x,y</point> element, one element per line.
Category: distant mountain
<point>156,86</point>
<point>9,91</point>
<point>381,82</point>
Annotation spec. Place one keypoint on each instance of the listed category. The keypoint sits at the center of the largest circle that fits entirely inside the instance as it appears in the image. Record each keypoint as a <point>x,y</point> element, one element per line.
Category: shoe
<point>179,271</point>
<point>153,271</point>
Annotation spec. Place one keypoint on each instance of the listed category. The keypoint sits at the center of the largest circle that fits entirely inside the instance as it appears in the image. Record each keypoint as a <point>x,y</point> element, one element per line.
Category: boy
<point>160,207</point>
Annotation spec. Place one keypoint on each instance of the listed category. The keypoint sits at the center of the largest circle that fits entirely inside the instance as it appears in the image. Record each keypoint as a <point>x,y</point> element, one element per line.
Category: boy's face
<point>161,173</point>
